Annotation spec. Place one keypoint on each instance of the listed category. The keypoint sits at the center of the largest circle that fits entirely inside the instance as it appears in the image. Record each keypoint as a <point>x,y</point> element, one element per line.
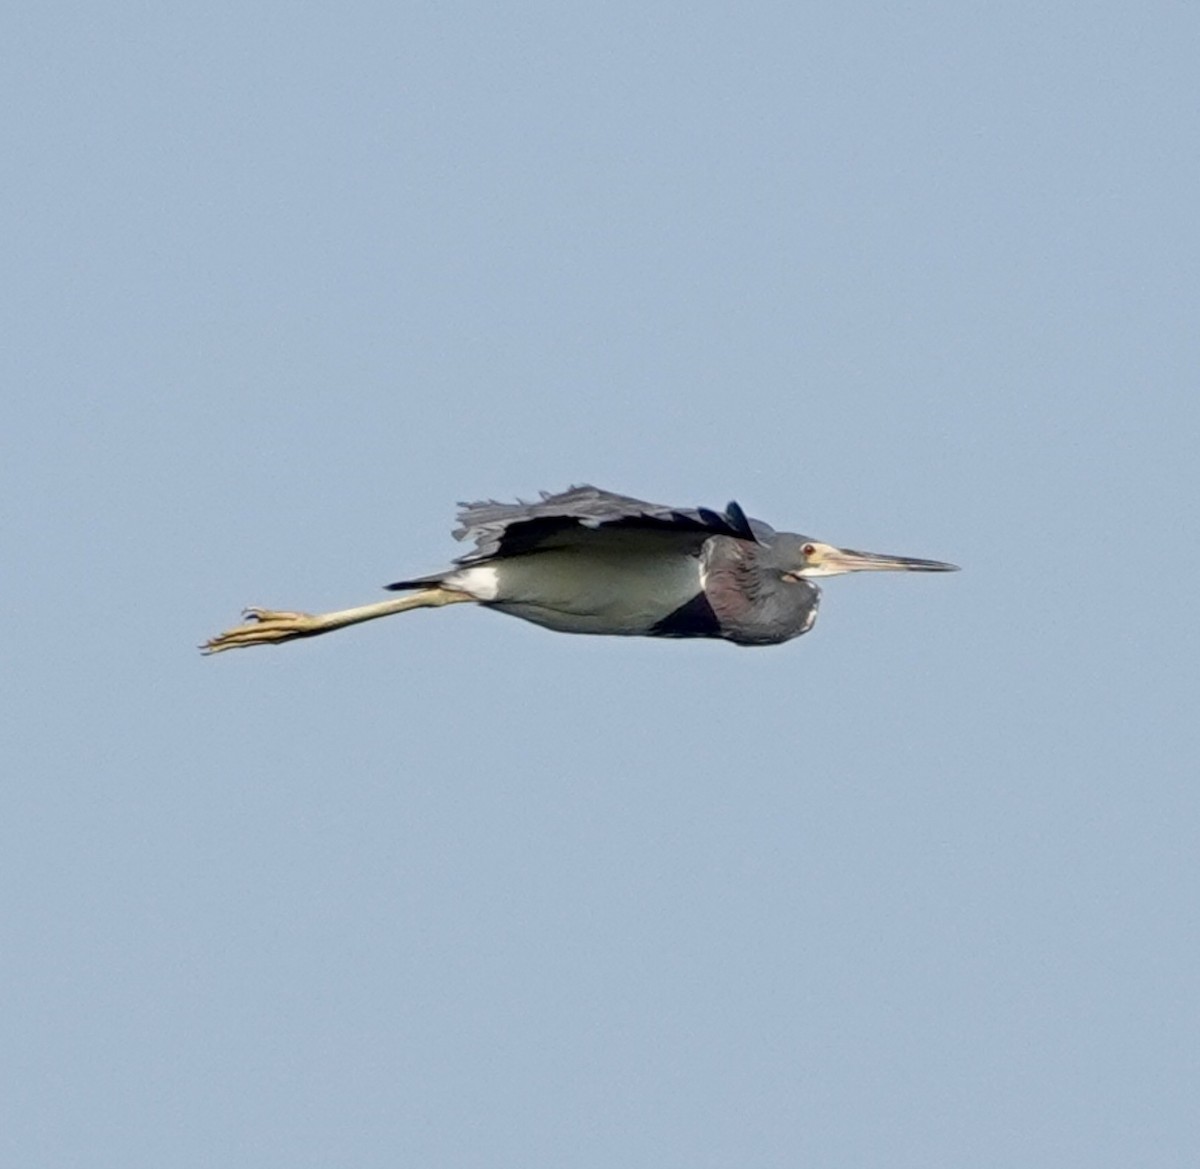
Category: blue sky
<point>285,282</point>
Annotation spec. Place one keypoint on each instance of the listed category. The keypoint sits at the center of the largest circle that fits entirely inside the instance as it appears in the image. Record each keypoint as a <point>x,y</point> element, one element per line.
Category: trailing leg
<point>271,627</point>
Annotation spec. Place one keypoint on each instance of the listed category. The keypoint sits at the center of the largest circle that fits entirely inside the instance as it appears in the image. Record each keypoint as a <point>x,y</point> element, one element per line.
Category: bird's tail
<point>417,582</point>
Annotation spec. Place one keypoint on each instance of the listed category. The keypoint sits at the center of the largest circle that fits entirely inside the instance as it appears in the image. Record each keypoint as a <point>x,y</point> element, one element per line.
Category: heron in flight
<point>589,561</point>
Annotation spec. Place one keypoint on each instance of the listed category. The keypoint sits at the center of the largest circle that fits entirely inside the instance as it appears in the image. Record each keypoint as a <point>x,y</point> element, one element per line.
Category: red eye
<point>809,549</point>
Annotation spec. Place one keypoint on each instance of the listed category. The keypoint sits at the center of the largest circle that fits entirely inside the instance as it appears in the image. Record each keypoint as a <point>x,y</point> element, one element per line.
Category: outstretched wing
<point>570,517</point>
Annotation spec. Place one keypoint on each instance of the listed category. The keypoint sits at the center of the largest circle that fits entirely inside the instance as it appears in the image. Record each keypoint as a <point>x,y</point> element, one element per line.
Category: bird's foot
<point>263,627</point>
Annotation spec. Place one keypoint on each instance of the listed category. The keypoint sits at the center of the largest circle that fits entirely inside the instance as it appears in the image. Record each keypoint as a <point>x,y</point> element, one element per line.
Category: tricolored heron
<point>589,561</point>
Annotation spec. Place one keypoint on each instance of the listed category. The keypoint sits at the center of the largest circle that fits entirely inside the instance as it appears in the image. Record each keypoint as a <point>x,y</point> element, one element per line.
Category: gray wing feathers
<point>477,520</point>
<point>499,529</point>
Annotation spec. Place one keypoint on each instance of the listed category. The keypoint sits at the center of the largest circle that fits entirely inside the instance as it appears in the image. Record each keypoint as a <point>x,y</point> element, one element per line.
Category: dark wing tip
<point>738,520</point>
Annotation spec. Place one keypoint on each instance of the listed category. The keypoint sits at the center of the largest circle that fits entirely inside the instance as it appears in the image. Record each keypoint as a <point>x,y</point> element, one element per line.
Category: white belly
<point>597,590</point>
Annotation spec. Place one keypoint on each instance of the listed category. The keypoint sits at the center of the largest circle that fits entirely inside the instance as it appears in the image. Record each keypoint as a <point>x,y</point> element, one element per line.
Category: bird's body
<point>589,561</point>
<point>636,591</point>
<point>611,592</point>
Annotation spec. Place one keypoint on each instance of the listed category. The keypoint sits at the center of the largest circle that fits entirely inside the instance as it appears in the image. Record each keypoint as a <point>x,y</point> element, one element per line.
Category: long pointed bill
<point>838,560</point>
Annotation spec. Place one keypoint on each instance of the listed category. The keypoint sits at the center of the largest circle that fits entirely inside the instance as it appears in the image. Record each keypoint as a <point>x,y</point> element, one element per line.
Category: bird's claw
<point>262,627</point>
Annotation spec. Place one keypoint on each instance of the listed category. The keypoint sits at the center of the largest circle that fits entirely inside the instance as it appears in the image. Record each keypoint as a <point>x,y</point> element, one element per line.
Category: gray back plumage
<point>512,529</point>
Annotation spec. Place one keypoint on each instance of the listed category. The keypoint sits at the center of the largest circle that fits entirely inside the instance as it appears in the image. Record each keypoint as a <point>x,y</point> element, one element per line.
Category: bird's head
<point>801,558</point>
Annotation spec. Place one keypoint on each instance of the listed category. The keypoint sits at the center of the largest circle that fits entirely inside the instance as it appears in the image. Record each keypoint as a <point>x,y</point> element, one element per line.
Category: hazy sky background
<point>285,281</point>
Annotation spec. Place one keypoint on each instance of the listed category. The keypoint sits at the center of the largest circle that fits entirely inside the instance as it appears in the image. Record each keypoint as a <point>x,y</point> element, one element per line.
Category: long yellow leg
<point>269,627</point>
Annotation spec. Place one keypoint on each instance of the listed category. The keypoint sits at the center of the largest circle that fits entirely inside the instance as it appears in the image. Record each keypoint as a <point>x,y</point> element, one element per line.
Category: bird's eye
<point>809,549</point>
